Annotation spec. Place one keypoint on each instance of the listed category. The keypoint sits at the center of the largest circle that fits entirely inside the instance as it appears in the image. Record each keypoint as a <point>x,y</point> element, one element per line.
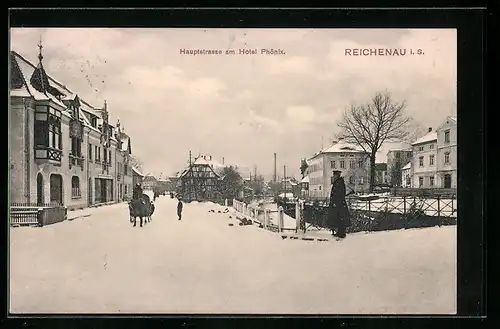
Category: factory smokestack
<point>274,168</point>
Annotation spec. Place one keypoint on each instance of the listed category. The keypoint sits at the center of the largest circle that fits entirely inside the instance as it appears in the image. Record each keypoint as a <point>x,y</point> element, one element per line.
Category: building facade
<point>447,154</point>
<point>350,160</point>
<point>406,176</point>
<point>62,150</point>
<point>424,161</point>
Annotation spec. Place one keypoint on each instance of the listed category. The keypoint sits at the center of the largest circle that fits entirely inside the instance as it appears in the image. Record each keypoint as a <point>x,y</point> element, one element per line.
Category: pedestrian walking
<point>179,208</point>
<point>338,213</point>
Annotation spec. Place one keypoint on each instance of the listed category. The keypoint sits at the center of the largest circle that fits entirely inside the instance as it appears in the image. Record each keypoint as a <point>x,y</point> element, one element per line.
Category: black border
<point>471,277</point>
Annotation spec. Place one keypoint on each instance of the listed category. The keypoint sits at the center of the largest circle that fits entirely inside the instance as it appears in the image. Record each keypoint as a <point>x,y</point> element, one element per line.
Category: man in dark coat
<point>137,192</point>
<point>179,208</point>
<point>338,214</point>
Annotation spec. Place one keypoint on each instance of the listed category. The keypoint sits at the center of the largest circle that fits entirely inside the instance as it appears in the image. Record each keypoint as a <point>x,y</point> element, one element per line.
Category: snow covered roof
<point>453,118</point>
<point>137,172</point>
<point>427,138</point>
<point>339,147</point>
<point>407,166</point>
<point>305,180</point>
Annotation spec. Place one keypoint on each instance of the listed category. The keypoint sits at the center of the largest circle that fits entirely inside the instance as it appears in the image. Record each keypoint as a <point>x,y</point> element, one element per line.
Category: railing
<point>47,153</point>
<point>264,217</point>
<point>38,214</point>
<point>75,160</point>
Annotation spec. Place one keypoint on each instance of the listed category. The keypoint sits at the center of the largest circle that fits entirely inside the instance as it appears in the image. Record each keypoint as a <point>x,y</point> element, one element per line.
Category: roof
<point>305,180</point>
<point>381,166</point>
<point>340,147</point>
<point>27,69</point>
<point>453,118</point>
<point>427,138</point>
<point>137,172</point>
<point>407,166</point>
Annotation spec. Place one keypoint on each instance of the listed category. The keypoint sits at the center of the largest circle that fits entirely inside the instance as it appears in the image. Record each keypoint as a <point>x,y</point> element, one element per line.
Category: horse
<point>142,208</point>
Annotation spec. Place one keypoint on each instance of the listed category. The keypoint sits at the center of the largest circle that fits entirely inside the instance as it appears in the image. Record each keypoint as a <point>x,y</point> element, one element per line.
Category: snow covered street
<point>101,264</point>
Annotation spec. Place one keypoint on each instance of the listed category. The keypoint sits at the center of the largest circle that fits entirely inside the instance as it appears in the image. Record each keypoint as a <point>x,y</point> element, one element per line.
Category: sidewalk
<point>87,212</point>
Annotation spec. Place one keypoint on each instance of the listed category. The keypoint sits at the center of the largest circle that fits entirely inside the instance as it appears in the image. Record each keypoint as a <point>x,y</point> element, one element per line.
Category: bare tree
<point>370,125</point>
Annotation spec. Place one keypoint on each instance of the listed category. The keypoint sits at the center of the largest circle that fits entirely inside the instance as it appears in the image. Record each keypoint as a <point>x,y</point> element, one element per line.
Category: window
<point>431,181</point>
<point>352,180</point>
<point>421,161</point>
<point>342,164</point>
<point>76,146</point>
<point>333,164</point>
<point>447,136</point>
<point>342,155</point>
<point>431,146</point>
<point>93,122</point>
<point>90,152</point>
<point>126,189</point>
<point>75,187</point>
<point>420,182</point>
<point>109,157</point>
<point>420,148</point>
<point>352,164</point>
<point>360,163</point>
<point>408,180</point>
<point>447,158</point>
<point>431,160</point>
<point>320,187</point>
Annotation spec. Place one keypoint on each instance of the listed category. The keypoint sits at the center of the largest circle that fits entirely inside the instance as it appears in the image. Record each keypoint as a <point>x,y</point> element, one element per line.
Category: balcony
<point>45,154</point>
<point>76,160</point>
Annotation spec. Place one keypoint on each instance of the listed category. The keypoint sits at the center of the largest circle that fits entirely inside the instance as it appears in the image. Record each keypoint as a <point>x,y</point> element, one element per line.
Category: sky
<point>244,108</point>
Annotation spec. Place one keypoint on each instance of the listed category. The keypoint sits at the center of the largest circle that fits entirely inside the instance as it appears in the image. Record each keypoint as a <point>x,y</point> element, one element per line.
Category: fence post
<point>225,202</point>
<point>297,216</point>
<point>39,216</point>
<point>404,205</point>
<point>266,216</point>
<point>369,206</point>
<point>439,209</point>
<point>280,219</point>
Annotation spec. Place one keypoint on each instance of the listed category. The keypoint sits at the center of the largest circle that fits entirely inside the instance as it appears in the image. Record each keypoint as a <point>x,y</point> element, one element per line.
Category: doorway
<point>56,189</point>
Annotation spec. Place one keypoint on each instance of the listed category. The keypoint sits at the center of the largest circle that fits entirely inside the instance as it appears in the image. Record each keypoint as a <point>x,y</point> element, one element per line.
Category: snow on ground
<point>101,264</point>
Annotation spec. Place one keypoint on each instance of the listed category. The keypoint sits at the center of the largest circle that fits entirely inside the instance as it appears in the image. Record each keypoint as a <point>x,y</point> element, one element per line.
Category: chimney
<point>430,129</point>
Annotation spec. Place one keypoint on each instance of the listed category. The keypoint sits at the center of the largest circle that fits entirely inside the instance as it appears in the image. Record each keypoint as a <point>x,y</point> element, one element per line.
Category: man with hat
<point>338,214</point>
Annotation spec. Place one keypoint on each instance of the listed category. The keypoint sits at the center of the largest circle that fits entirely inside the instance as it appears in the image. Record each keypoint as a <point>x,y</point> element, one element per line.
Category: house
<point>380,173</point>
<point>304,187</point>
<point>200,180</point>
<point>149,183</point>
<point>446,176</point>
<point>424,164</point>
<point>396,160</point>
<point>62,149</point>
<point>351,160</point>
<point>137,178</point>
<point>406,177</point>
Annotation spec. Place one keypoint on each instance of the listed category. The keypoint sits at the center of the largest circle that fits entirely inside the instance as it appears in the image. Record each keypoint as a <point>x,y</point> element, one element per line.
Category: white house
<point>424,163</point>
<point>406,177</point>
<point>350,159</point>
<point>447,154</point>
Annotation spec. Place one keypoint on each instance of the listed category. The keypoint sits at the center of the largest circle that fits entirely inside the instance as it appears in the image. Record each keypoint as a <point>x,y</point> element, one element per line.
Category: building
<point>446,176</point>
<point>381,174</point>
<point>424,164</point>
<point>149,183</point>
<point>304,187</point>
<point>125,177</point>
<point>396,160</point>
<point>406,176</point>
<point>199,181</point>
<point>351,160</point>
<point>62,149</point>
<point>137,177</point>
